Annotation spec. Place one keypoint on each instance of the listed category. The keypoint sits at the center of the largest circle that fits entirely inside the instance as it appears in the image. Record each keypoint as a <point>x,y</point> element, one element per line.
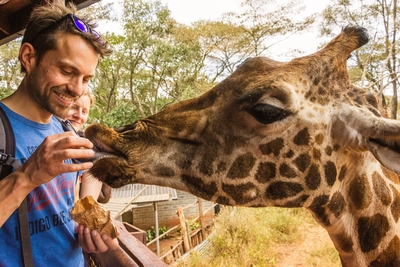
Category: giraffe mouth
<point>394,146</point>
<point>99,153</point>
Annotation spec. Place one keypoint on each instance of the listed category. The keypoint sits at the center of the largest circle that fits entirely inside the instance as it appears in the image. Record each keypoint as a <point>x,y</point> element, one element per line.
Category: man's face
<point>62,75</point>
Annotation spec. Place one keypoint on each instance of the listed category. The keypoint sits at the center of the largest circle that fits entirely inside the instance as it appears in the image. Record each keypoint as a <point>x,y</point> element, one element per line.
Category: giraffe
<point>285,134</point>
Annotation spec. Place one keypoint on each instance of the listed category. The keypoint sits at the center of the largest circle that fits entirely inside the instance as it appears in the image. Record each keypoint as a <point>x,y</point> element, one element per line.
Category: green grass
<point>249,237</point>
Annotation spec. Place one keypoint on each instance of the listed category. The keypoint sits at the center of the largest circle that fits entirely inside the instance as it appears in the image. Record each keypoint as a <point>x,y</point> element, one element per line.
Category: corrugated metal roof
<point>132,190</point>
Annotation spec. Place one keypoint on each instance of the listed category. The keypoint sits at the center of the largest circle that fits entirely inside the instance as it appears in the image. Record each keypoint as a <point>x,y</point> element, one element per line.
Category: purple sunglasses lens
<point>80,25</point>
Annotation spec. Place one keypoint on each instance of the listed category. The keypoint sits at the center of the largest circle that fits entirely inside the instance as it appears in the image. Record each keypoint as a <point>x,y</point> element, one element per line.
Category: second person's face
<point>79,112</point>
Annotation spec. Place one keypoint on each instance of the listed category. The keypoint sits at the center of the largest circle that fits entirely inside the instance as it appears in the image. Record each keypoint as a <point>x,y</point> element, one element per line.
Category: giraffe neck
<point>361,216</point>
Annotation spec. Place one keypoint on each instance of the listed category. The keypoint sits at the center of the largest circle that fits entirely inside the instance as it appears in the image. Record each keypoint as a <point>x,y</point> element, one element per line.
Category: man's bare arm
<point>13,190</point>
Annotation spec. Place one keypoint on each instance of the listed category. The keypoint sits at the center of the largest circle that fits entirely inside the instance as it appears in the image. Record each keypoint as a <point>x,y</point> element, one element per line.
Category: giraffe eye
<point>267,114</point>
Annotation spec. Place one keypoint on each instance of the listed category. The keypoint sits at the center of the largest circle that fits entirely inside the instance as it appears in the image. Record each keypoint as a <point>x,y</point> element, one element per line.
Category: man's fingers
<point>111,243</point>
<point>98,241</point>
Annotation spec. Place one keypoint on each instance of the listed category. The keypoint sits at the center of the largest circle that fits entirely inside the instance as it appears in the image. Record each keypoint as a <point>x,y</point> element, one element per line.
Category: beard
<point>42,97</point>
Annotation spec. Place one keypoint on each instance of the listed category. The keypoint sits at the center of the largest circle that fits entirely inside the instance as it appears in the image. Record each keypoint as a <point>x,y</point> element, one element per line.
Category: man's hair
<point>45,25</point>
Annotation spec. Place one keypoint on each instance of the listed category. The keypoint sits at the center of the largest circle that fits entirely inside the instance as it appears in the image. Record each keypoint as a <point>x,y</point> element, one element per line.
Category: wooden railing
<point>188,239</point>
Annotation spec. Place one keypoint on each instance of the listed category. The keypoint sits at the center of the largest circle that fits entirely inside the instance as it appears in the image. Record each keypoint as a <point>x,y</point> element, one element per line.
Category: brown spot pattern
<point>222,200</point>
<point>205,165</point>
<point>342,173</point>
<point>359,192</point>
<point>273,147</point>
<point>395,207</point>
<point>371,230</point>
<point>289,154</point>
<point>242,166</point>
<point>164,171</point>
<point>302,138</point>
<point>330,172</point>
<point>344,242</point>
<point>316,154</point>
<point>265,172</point>
<point>298,202</point>
<point>286,171</point>
<point>390,257</point>
<point>328,150</point>
<point>381,190</point>
<point>240,192</point>
<point>197,186</point>
<point>319,138</point>
<point>282,190</point>
<point>319,210</point>
<point>337,204</point>
<point>302,162</point>
<point>313,177</point>
<point>221,167</point>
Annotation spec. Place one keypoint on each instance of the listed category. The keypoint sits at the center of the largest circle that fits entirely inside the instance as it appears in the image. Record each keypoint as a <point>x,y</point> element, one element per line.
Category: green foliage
<point>10,76</point>
<point>151,233</point>
<point>193,225</point>
<point>122,114</point>
<point>4,92</point>
<point>157,61</point>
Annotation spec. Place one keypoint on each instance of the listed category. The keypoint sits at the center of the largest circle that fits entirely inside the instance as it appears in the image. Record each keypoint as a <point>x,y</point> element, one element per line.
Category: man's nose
<point>78,113</point>
<point>77,86</point>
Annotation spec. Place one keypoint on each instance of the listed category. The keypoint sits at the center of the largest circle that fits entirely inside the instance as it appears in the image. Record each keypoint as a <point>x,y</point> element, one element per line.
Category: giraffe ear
<point>358,130</point>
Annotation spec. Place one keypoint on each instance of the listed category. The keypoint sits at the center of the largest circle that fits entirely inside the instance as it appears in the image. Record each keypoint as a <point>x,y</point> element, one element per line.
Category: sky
<point>188,11</point>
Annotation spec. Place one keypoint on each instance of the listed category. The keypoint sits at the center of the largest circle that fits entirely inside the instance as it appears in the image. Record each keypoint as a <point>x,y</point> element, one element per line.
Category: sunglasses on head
<point>78,23</point>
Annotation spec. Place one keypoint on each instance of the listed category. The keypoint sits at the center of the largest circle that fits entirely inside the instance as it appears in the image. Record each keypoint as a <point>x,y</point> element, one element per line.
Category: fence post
<point>203,230</point>
<point>186,245</point>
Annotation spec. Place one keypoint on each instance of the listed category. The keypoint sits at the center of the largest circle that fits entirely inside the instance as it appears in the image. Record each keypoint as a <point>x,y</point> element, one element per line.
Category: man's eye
<point>267,114</point>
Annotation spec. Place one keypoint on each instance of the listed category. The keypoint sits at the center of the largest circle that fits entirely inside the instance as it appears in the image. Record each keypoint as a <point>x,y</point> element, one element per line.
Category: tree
<point>376,64</point>
<point>9,68</point>
<point>227,42</point>
<point>260,22</point>
<point>150,66</point>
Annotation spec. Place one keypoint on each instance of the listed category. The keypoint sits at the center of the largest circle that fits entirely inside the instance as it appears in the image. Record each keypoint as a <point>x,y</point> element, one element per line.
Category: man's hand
<point>48,160</point>
<point>92,242</point>
<point>45,163</point>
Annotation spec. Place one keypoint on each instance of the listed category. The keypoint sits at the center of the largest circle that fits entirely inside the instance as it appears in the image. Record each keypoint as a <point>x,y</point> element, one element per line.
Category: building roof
<point>129,196</point>
<point>15,13</point>
<point>132,190</point>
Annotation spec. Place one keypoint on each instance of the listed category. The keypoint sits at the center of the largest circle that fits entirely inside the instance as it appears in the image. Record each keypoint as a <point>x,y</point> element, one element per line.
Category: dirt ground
<point>296,254</point>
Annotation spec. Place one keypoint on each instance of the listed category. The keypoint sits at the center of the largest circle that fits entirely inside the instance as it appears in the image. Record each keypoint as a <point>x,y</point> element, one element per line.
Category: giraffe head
<point>275,133</point>
<point>272,133</point>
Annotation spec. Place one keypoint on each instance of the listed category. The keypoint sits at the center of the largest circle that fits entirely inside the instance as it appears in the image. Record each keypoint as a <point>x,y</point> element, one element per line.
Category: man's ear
<point>27,56</point>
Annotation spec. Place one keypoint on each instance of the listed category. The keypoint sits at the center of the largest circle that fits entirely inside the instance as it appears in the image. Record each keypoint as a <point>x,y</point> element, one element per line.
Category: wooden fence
<point>188,239</point>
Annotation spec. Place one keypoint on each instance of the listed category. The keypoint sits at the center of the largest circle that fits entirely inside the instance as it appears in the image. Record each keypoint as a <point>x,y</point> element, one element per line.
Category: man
<point>59,54</point>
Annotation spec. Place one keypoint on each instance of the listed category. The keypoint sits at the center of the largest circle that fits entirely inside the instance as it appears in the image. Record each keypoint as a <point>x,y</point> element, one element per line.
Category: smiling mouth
<point>66,97</point>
